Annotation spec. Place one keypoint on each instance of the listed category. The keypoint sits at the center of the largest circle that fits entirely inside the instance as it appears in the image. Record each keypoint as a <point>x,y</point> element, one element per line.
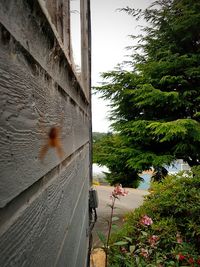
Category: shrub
<point>165,230</point>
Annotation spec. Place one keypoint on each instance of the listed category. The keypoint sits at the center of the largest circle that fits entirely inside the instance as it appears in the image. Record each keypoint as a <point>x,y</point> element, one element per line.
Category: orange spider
<point>53,142</point>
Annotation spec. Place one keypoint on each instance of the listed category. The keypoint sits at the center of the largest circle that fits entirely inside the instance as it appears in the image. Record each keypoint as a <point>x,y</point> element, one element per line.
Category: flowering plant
<point>165,230</point>
<point>146,220</point>
<point>117,192</point>
<point>153,240</point>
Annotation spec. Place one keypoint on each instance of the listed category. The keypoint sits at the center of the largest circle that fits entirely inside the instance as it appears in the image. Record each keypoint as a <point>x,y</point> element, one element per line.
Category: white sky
<point>110,30</point>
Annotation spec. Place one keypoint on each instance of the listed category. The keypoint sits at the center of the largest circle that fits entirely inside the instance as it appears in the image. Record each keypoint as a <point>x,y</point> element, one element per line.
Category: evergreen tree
<point>111,151</point>
<point>156,106</point>
<point>97,136</point>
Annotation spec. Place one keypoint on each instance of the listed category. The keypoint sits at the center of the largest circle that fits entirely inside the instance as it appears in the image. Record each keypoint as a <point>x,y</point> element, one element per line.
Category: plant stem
<point>109,231</point>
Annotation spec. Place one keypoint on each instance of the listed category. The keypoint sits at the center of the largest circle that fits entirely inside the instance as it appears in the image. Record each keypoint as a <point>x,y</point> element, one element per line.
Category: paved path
<point>133,200</point>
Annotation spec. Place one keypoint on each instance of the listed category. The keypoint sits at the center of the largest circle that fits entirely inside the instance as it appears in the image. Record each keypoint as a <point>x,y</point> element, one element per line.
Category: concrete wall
<point>43,201</point>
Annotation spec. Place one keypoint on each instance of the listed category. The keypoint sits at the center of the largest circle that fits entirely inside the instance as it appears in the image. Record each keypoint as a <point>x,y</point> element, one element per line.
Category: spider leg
<point>43,151</point>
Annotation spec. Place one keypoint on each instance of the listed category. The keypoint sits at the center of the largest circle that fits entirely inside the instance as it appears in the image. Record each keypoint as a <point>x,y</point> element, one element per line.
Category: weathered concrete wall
<point>43,202</point>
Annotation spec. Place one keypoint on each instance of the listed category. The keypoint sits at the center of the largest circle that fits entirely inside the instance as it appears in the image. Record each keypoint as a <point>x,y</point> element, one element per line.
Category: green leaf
<point>115,227</point>
<point>128,238</point>
<point>132,248</point>
<point>114,219</point>
<point>120,257</point>
<point>144,233</point>
<point>120,243</point>
<point>102,237</point>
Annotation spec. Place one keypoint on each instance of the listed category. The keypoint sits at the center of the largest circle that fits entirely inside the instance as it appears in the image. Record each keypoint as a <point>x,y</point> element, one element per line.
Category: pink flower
<point>146,220</point>
<point>153,240</point>
<point>144,253</point>
<point>119,191</point>
<point>181,257</point>
<point>179,240</point>
<point>191,260</point>
<point>123,249</point>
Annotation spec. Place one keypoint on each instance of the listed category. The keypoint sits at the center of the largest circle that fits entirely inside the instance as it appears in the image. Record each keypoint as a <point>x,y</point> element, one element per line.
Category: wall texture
<point>43,201</point>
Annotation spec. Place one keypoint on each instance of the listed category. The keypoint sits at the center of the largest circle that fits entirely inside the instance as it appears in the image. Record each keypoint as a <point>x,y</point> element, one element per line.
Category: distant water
<point>175,167</point>
<point>146,183</point>
<point>98,172</point>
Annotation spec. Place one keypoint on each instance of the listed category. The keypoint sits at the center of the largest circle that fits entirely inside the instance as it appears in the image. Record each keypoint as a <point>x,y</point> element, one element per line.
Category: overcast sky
<point>110,30</point>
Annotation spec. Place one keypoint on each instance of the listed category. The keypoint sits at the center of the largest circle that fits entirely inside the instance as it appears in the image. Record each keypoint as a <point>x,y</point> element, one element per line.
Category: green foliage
<point>156,105</point>
<point>173,207</point>
<point>111,151</point>
<point>96,136</point>
<point>102,238</point>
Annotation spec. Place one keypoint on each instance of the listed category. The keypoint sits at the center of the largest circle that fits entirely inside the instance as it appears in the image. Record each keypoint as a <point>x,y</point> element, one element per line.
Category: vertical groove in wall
<point>65,235</point>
